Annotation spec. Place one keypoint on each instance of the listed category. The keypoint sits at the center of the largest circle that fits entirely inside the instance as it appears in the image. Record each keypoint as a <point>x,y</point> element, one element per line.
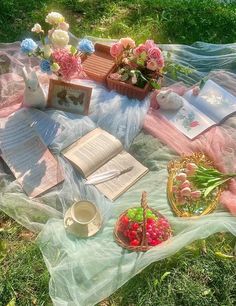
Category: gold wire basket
<point>207,205</point>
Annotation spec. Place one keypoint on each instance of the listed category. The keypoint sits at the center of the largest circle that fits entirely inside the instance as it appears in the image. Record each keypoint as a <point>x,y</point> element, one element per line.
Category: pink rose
<point>127,42</point>
<point>156,54</point>
<point>140,49</point>
<point>149,44</point>
<point>116,49</point>
<point>115,76</point>
<point>152,65</point>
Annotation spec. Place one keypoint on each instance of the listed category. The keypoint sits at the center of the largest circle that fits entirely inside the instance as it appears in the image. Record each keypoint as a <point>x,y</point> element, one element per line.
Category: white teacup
<point>83,219</point>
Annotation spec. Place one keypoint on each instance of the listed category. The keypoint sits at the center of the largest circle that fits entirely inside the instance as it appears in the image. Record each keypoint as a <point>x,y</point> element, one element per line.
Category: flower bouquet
<point>194,185</point>
<point>138,69</point>
<point>54,51</point>
<point>141,228</point>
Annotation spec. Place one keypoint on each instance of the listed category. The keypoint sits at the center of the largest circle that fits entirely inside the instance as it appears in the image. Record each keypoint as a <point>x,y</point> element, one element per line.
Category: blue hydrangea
<point>28,45</point>
<point>45,66</point>
<point>86,46</point>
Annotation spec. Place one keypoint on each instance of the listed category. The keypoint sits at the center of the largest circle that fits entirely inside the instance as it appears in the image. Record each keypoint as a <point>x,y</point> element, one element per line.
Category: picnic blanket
<point>85,271</point>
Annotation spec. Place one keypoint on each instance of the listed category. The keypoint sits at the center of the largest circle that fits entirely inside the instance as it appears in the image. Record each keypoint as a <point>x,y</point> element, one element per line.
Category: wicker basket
<point>126,89</point>
<point>123,241</point>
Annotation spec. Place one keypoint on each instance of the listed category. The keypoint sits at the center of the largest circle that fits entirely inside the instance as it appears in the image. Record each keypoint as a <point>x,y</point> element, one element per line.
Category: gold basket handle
<point>144,205</point>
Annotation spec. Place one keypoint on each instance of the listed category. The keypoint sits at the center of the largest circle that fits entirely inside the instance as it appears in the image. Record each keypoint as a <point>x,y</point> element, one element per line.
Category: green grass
<point>23,275</point>
<point>190,278</point>
<point>195,276</point>
<point>166,21</point>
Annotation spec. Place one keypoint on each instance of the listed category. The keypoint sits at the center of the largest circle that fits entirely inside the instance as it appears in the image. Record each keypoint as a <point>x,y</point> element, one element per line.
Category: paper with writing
<point>93,150</point>
<point>99,152</point>
<point>27,156</point>
<point>113,188</point>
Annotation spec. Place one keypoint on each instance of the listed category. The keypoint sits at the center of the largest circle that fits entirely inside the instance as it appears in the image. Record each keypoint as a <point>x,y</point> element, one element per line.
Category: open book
<point>210,107</point>
<point>29,159</point>
<point>99,152</point>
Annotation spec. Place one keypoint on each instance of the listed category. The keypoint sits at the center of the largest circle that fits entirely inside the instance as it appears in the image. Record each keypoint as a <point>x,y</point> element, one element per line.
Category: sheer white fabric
<point>84,271</point>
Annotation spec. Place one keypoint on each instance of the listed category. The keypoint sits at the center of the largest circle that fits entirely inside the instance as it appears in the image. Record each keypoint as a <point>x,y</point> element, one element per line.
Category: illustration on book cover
<point>188,119</point>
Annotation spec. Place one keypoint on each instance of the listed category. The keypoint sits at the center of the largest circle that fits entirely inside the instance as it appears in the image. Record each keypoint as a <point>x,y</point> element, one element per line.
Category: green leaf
<point>73,50</point>
<point>164,276</point>
<point>143,56</point>
<point>155,84</point>
<point>156,282</point>
<point>224,256</point>
<point>12,302</point>
<point>125,76</point>
<point>3,250</point>
<point>211,188</point>
<point>140,62</point>
<point>206,292</point>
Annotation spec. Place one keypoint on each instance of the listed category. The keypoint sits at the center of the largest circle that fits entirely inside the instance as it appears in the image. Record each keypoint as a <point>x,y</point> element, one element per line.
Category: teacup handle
<point>69,221</point>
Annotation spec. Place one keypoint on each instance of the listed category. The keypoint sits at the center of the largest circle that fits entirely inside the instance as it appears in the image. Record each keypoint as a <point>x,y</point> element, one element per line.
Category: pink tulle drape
<point>218,143</point>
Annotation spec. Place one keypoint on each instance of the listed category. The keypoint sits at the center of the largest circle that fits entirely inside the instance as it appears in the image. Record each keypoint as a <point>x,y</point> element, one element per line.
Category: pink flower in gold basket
<point>70,64</point>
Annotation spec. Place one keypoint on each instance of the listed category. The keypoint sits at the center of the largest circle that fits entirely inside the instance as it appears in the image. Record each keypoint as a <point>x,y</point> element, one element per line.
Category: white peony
<point>60,38</point>
<point>54,18</point>
<point>37,28</point>
<point>47,51</point>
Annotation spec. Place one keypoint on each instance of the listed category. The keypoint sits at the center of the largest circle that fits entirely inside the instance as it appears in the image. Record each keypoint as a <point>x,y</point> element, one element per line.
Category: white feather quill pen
<point>106,176</point>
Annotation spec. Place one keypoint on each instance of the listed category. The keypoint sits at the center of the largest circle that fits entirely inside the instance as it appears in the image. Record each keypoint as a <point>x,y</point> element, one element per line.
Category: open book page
<point>27,156</point>
<point>214,101</point>
<point>45,126</point>
<point>93,150</point>
<point>14,130</point>
<point>188,120</point>
<point>34,166</point>
<point>113,188</point>
<point>24,123</point>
